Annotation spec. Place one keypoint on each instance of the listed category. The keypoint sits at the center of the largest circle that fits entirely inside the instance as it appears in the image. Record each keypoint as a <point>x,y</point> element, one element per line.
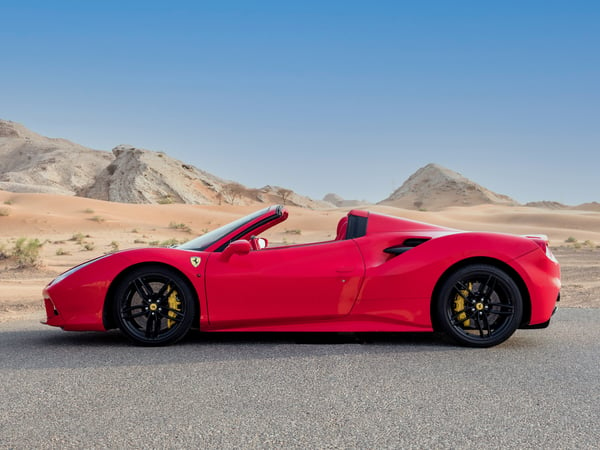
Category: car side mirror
<point>240,247</point>
<point>258,243</point>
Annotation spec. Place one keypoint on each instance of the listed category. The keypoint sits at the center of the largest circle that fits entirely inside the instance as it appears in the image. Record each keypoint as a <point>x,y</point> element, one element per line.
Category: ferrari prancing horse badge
<point>195,260</point>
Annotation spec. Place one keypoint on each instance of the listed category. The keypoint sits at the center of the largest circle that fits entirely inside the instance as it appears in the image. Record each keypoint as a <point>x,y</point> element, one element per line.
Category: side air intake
<point>406,246</point>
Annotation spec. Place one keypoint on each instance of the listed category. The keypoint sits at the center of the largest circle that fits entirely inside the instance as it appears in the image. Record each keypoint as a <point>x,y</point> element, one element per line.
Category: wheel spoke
<point>149,326</point>
<point>455,317</point>
<point>502,305</point>
<point>128,309</point>
<point>164,291</point>
<point>505,309</point>
<point>135,316</point>
<point>479,327</point>
<point>143,289</point>
<point>486,324</point>
<point>488,286</point>
<point>460,292</point>
<point>178,317</point>
<point>153,326</point>
<point>462,287</point>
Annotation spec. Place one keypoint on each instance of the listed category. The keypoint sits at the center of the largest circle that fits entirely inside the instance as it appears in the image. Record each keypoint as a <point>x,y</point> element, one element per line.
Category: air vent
<point>407,245</point>
<point>413,242</point>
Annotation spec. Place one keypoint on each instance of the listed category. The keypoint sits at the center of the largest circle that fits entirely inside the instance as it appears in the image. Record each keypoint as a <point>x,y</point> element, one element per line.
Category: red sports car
<point>380,273</point>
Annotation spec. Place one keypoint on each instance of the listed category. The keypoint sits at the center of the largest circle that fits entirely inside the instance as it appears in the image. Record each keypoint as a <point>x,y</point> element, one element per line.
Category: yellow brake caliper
<point>459,305</point>
<point>174,304</point>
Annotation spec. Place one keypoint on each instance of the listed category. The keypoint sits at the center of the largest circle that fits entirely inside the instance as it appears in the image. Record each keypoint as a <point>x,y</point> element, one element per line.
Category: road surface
<point>73,390</point>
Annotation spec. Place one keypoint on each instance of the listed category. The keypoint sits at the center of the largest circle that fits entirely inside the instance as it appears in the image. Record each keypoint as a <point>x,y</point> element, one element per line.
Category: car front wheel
<point>154,305</point>
<point>478,306</point>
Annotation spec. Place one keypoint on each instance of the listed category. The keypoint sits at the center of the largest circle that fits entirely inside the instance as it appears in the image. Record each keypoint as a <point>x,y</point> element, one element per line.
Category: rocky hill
<point>30,162</point>
<point>143,176</point>
<point>547,205</point>
<point>340,202</point>
<point>434,187</point>
<point>33,163</point>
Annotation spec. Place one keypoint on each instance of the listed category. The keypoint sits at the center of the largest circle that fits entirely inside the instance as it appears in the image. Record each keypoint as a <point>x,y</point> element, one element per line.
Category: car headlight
<point>72,270</point>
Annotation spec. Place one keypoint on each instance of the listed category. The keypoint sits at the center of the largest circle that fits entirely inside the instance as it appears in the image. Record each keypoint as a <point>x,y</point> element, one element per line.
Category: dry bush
<point>26,252</point>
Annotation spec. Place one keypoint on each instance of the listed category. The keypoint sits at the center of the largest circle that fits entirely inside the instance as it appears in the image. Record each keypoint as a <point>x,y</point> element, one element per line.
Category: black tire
<point>154,305</point>
<point>478,306</point>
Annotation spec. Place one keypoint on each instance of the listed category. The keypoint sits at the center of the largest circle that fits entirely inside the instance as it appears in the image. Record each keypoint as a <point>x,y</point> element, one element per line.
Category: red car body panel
<point>348,284</point>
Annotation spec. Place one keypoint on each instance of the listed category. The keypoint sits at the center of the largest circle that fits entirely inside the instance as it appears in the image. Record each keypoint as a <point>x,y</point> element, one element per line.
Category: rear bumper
<point>545,324</point>
<point>542,279</point>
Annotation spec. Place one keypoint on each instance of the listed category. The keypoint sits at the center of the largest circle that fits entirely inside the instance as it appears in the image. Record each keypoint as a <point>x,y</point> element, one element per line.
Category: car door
<point>284,284</point>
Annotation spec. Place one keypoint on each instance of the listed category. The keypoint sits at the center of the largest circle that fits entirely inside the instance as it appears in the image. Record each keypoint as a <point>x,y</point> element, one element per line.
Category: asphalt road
<point>93,390</point>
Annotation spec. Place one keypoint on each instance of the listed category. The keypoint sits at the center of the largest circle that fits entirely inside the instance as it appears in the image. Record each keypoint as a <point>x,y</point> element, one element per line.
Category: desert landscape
<point>55,214</point>
<point>72,230</point>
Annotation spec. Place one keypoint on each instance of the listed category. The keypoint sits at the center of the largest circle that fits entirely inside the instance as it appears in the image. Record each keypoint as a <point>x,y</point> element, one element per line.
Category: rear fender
<point>406,282</point>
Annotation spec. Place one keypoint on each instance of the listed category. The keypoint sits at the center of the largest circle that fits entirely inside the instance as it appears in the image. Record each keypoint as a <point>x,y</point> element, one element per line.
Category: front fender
<point>75,300</point>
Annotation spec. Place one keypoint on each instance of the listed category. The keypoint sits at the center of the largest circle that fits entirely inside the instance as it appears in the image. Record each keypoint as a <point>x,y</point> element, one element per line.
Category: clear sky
<point>320,96</point>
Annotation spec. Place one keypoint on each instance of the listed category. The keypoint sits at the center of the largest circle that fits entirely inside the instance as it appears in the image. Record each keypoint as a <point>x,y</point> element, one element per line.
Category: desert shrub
<point>78,237</point>
<point>26,252</point>
<point>169,243</point>
<point>180,226</point>
<point>114,245</point>
<point>154,243</point>
<point>166,200</point>
<point>4,212</point>
<point>135,230</point>
<point>62,252</point>
<point>589,244</point>
<point>8,202</point>
<point>88,246</point>
<point>296,231</point>
<point>571,240</point>
<point>88,211</point>
<point>98,219</point>
<point>139,241</point>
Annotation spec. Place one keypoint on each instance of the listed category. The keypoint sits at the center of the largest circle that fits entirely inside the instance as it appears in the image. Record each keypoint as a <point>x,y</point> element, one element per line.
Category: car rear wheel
<point>479,306</point>
<point>154,305</point>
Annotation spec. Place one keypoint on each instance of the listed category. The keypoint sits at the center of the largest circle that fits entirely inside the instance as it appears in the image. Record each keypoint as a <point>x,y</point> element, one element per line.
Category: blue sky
<point>320,96</point>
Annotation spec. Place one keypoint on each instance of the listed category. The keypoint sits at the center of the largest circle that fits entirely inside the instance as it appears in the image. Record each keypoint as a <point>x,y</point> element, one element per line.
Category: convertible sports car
<point>380,273</point>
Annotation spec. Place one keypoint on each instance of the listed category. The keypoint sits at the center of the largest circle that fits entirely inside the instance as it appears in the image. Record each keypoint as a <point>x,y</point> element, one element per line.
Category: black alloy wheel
<point>154,305</point>
<point>479,306</point>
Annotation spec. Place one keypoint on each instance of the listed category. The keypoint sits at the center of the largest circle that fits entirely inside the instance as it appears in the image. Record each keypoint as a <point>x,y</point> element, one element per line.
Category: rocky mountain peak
<point>434,187</point>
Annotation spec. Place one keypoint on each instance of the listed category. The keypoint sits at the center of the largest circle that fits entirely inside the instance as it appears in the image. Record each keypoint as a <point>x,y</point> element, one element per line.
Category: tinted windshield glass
<point>204,241</point>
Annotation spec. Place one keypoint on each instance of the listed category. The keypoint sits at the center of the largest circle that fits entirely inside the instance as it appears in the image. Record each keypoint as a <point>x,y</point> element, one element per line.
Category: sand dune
<point>76,229</point>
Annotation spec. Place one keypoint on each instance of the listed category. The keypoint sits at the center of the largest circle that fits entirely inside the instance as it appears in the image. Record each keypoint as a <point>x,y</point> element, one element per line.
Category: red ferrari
<point>380,273</point>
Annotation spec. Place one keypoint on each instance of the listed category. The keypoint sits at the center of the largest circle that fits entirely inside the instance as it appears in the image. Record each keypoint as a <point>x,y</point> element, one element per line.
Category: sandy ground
<point>75,229</point>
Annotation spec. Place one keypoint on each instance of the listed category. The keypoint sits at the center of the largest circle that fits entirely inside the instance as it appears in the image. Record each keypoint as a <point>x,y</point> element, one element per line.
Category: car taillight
<point>542,241</point>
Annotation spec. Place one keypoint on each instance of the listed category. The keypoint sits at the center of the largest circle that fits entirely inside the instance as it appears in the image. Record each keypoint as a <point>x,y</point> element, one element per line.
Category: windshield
<point>203,242</point>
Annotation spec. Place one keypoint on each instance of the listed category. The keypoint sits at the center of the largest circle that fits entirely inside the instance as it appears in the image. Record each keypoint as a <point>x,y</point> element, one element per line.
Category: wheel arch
<point>107,316</point>
<point>510,271</point>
